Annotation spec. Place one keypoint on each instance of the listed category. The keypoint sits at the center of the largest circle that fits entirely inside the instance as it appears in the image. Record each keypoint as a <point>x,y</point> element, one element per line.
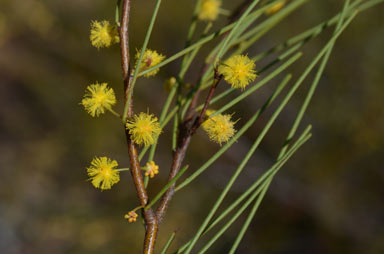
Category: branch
<point>216,79</point>
<point>149,216</point>
<point>187,129</point>
<point>124,46</point>
<point>191,124</point>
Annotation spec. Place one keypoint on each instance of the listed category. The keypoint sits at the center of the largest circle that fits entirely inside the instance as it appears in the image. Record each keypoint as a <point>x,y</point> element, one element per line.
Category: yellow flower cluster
<point>131,216</point>
<point>103,34</point>
<point>219,128</point>
<point>97,98</point>
<point>238,71</point>
<point>150,59</point>
<point>144,129</point>
<point>102,173</point>
<point>151,169</point>
<point>209,10</point>
<point>275,8</point>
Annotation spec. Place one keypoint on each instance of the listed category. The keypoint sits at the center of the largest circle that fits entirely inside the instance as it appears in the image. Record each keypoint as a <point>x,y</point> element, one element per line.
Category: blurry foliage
<point>328,199</point>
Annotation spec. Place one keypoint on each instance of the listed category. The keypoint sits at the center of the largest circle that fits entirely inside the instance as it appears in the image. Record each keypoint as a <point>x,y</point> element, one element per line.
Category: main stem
<point>151,225</point>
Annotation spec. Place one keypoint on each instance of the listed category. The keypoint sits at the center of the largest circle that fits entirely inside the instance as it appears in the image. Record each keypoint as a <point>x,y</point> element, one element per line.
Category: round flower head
<point>102,173</point>
<point>151,169</point>
<point>131,216</point>
<point>97,98</point>
<point>144,129</point>
<point>219,128</point>
<point>150,59</point>
<point>275,7</point>
<point>103,34</point>
<point>238,71</point>
<point>209,10</point>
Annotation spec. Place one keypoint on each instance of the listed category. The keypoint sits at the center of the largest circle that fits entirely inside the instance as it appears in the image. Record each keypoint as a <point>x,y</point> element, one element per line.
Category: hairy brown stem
<point>151,225</point>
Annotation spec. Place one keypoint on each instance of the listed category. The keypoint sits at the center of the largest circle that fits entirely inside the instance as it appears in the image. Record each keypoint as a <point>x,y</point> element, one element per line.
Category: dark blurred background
<point>327,199</point>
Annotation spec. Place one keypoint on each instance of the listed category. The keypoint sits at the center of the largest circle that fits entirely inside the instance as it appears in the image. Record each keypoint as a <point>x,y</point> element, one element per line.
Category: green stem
<point>114,112</point>
<point>229,36</point>
<point>122,169</point>
<point>168,243</point>
<point>314,84</point>
<point>136,70</point>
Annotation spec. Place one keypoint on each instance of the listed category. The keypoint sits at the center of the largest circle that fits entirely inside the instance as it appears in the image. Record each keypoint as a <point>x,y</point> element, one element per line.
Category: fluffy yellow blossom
<point>151,169</point>
<point>103,34</point>
<point>97,98</point>
<point>131,216</point>
<point>150,59</point>
<point>275,8</point>
<point>144,129</point>
<point>209,10</point>
<point>219,128</point>
<point>102,173</point>
<point>238,71</point>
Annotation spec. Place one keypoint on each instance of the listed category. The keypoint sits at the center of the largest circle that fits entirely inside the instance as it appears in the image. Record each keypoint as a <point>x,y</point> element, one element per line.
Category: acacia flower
<point>144,129</point>
<point>150,59</point>
<point>219,128</point>
<point>238,71</point>
<point>97,98</point>
<point>102,173</point>
<point>151,169</point>
<point>131,216</point>
<point>275,7</point>
<point>103,34</point>
<point>209,10</point>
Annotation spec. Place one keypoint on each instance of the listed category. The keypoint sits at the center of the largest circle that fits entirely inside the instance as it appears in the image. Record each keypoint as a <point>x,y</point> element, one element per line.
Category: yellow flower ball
<point>102,173</point>
<point>209,10</point>
<point>238,71</point>
<point>97,98</point>
<point>103,34</point>
<point>144,129</point>
<point>150,59</point>
<point>219,128</point>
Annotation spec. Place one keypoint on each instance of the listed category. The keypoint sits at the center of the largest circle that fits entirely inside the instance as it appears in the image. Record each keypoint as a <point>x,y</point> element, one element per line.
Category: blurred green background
<point>327,199</point>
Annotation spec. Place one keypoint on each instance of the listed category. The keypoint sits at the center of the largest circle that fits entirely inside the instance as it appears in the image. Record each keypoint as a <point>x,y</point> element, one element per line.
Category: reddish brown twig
<point>217,78</point>
<point>196,92</point>
<point>186,130</point>
<point>192,123</point>
<point>151,226</point>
